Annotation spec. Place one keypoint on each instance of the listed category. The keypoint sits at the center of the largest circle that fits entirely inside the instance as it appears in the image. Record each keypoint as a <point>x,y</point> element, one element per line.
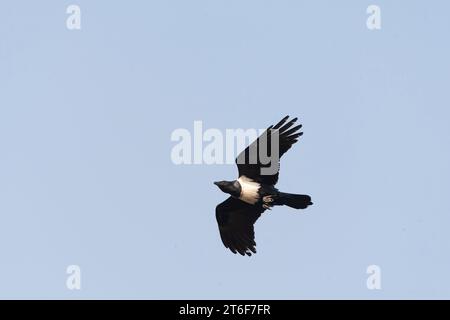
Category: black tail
<point>296,201</point>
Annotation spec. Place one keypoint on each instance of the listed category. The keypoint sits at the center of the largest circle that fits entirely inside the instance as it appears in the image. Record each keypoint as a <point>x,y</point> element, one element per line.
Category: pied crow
<point>254,192</point>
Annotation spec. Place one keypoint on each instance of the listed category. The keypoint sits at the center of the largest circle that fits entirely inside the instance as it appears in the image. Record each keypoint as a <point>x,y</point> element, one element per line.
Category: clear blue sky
<point>86,176</point>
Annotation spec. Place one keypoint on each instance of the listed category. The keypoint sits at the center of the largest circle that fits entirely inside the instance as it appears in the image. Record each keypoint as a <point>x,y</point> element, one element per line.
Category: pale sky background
<point>86,176</point>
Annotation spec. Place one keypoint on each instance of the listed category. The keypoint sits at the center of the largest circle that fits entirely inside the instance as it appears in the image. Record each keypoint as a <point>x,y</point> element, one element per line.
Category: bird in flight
<point>254,192</point>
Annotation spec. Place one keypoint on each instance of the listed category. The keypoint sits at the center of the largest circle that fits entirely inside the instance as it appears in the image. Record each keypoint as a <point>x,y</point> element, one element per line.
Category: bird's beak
<point>216,183</point>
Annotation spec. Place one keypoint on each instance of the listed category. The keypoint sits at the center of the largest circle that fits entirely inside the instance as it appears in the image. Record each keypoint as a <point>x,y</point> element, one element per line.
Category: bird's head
<point>227,187</point>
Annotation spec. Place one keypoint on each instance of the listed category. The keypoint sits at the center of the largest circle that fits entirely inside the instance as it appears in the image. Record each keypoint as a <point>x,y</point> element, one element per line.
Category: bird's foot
<point>267,202</point>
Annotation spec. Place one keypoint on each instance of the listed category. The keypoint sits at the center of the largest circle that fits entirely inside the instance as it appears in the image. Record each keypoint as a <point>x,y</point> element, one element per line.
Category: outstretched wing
<point>235,219</point>
<point>287,136</point>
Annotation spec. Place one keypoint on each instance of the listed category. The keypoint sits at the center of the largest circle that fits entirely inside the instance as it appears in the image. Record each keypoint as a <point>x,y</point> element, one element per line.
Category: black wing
<point>236,219</point>
<point>287,136</point>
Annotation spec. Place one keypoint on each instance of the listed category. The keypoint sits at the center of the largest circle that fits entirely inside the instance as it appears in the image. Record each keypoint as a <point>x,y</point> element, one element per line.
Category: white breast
<point>249,190</point>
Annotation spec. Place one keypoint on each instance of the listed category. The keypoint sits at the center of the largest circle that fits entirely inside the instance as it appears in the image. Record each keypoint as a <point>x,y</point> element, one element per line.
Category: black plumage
<point>253,192</point>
